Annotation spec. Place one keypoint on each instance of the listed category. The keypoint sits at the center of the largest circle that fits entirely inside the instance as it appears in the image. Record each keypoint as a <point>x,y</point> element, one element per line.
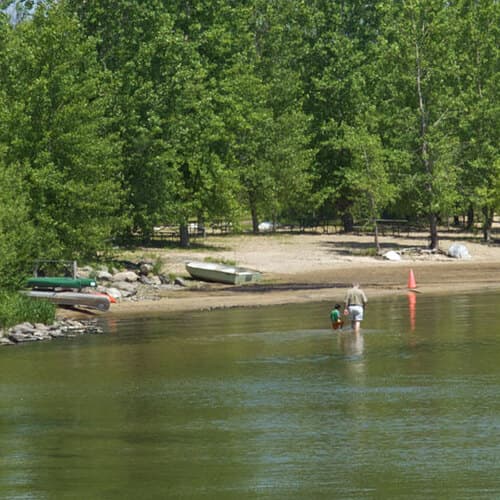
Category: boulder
<point>458,251</point>
<point>145,268</point>
<point>265,227</point>
<point>56,334</point>
<point>145,280</point>
<point>392,255</point>
<point>125,285</point>
<point>155,280</point>
<point>104,276</point>
<point>128,276</point>
<point>24,328</point>
<point>26,332</point>
<point>84,272</point>
<point>164,279</point>
<point>126,289</point>
<point>180,282</point>
<point>17,336</point>
<point>113,292</point>
<point>5,341</point>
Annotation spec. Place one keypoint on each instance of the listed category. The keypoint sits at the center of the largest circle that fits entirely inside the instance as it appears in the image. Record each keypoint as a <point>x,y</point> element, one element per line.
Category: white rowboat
<point>222,273</point>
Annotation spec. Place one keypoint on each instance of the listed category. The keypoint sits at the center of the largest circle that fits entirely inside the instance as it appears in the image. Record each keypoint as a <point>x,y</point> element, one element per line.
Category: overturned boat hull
<point>46,282</point>
<point>97,301</point>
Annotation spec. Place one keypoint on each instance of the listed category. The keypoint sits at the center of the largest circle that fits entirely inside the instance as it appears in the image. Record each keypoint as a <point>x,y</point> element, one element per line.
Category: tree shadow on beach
<point>403,243</point>
<point>367,248</point>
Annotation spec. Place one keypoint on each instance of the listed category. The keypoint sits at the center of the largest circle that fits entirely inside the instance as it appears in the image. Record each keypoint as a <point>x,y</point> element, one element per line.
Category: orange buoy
<point>412,284</point>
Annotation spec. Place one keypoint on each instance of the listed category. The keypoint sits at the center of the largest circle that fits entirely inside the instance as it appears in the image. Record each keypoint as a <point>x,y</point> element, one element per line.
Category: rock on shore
<point>29,332</point>
<point>136,282</point>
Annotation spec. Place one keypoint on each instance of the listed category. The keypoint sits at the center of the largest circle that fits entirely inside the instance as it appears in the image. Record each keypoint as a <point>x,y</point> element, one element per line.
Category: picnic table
<point>394,225</point>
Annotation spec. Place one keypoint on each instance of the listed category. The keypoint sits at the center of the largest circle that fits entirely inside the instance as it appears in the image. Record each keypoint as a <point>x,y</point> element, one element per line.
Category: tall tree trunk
<point>433,219</point>
<point>377,244</point>
<point>255,219</point>
<point>424,147</point>
<point>200,230</point>
<point>184,235</point>
<point>374,218</point>
<point>487,224</point>
<point>347,222</point>
<point>470,218</point>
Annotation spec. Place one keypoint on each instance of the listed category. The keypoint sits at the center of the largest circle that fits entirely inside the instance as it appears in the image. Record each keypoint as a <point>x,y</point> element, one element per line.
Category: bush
<point>17,308</point>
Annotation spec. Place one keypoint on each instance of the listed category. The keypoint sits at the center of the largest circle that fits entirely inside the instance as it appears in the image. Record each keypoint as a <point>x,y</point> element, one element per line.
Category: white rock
<point>114,292</point>
<point>458,251</point>
<point>266,227</point>
<point>392,255</point>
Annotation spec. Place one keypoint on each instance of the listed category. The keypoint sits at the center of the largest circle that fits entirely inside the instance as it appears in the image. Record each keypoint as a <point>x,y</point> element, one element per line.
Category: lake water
<point>265,403</point>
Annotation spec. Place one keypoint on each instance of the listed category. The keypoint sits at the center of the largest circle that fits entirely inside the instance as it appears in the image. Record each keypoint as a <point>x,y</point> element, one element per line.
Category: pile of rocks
<point>29,332</point>
<point>136,282</point>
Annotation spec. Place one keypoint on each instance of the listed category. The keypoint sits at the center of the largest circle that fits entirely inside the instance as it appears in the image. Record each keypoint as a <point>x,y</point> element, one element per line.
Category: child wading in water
<point>336,317</point>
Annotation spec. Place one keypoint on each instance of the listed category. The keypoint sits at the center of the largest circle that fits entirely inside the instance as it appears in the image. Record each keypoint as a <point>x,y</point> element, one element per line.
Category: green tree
<point>367,173</point>
<point>165,101</point>
<point>247,62</point>
<point>17,242</point>
<point>339,76</point>
<point>418,95</point>
<point>17,233</point>
<point>192,134</point>
<point>268,132</point>
<point>59,134</point>
<point>249,123</point>
<point>478,52</point>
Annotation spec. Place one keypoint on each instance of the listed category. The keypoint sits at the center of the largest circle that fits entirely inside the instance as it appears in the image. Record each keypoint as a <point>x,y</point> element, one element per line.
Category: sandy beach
<point>317,267</point>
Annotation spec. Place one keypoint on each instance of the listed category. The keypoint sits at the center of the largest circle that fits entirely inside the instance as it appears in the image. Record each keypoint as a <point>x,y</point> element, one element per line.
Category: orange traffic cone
<point>412,284</point>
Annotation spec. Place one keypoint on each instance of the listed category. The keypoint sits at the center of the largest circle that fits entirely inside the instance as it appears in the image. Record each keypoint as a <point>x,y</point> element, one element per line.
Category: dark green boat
<point>61,282</point>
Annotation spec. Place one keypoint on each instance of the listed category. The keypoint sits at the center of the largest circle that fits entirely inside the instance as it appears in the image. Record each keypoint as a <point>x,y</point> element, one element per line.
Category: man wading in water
<point>354,305</point>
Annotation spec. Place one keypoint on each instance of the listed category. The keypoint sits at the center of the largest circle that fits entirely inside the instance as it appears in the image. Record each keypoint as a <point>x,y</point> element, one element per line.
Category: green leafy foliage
<point>421,101</point>
<point>16,308</point>
<point>56,131</point>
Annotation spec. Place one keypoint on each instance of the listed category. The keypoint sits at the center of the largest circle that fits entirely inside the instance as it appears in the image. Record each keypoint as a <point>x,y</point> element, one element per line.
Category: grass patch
<point>366,252</point>
<point>17,308</point>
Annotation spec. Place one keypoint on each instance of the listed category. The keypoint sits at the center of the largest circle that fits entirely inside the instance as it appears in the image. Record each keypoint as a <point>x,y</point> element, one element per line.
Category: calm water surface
<point>261,403</point>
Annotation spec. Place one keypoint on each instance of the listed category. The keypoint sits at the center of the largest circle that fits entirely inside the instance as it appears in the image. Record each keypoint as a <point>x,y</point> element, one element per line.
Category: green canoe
<point>61,282</point>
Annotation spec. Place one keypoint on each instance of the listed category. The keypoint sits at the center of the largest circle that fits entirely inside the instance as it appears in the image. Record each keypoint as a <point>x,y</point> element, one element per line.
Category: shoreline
<point>304,268</point>
<point>325,285</point>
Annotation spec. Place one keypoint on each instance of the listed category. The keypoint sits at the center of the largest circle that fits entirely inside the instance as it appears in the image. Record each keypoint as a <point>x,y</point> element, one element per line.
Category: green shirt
<point>335,315</point>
